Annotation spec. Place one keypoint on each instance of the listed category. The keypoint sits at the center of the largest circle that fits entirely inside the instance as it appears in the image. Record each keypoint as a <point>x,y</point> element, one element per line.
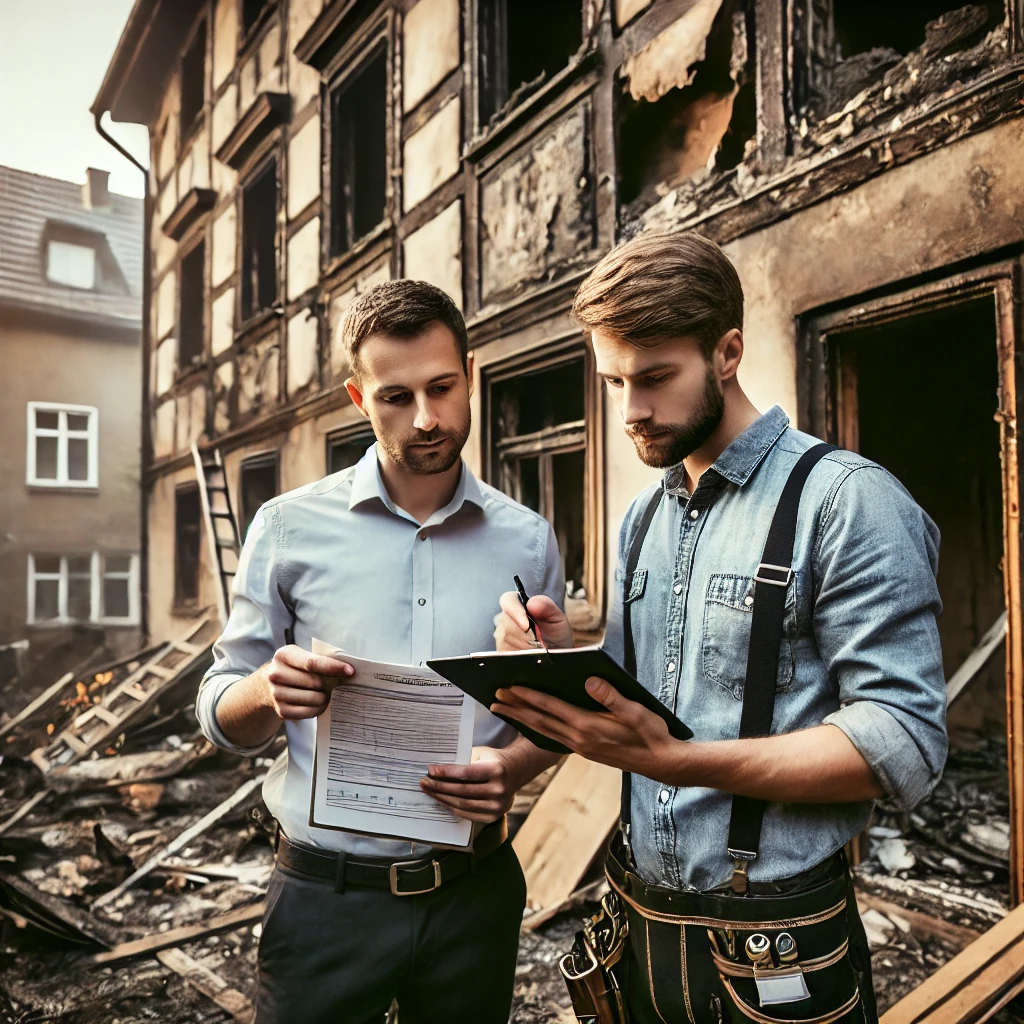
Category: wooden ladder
<point>103,722</point>
<point>221,525</point>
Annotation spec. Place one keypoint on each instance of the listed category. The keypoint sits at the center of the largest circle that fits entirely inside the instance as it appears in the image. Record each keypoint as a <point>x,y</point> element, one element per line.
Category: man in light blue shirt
<point>400,558</point>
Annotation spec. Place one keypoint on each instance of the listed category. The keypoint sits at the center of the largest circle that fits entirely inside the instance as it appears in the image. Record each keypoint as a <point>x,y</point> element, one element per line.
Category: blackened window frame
<point>341,238</point>
<point>186,591</point>
<point>250,309</point>
<point>256,464</point>
<point>589,438</point>
<point>357,435</point>
<point>193,61</point>
<point>189,310</point>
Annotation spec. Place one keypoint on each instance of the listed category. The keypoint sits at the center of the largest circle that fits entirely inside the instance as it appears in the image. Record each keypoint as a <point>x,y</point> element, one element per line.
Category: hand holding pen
<point>521,615</point>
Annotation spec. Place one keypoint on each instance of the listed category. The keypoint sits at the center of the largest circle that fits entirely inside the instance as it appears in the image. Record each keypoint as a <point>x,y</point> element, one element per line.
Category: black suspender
<point>772,578</point>
<point>629,651</point>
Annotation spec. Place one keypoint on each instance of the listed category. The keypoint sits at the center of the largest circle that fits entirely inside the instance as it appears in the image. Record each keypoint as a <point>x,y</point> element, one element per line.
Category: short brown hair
<point>660,286</point>
<point>401,309</point>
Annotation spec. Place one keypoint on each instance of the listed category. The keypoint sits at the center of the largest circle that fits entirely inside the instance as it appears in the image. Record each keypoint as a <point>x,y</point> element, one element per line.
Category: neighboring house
<point>70,325</point>
<point>861,164</point>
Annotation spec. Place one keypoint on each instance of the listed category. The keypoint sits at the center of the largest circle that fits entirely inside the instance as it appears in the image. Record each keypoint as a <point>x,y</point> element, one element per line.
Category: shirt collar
<point>368,484</point>
<point>738,462</point>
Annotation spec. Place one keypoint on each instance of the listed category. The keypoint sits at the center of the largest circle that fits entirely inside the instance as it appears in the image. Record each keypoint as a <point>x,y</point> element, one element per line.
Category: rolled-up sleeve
<point>876,630</point>
<point>255,627</point>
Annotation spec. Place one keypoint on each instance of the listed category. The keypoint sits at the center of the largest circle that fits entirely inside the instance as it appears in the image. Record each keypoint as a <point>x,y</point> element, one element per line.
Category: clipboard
<point>559,673</point>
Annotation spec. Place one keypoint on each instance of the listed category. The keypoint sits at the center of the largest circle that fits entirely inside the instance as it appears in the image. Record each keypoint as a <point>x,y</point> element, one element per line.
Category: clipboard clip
<point>534,628</point>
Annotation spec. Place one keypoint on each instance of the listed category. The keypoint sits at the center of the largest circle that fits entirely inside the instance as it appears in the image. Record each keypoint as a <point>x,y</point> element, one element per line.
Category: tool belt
<point>770,953</point>
<point>400,877</point>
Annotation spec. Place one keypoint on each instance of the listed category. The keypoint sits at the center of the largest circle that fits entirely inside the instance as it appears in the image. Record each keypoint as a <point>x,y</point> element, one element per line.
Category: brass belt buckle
<point>393,878</point>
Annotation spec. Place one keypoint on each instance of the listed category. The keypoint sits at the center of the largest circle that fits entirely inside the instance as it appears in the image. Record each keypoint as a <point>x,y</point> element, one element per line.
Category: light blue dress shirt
<point>860,648</point>
<point>362,574</point>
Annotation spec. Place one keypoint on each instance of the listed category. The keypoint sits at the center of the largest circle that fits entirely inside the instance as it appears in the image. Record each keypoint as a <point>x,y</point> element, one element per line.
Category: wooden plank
<point>24,810</point>
<point>180,936</point>
<point>182,840</point>
<point>208,982</point>
<point>976,660</point>
<point>566,829</point>
<point>48,694</point>
<point>31,902</point>
<point>106,715</point>
<point>162,671</point>
<point>979,998</point>
<point>977,959</point>
<point>920,924</point>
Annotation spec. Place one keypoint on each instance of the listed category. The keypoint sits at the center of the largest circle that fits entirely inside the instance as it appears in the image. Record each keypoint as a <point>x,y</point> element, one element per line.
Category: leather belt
<point>401,877</point>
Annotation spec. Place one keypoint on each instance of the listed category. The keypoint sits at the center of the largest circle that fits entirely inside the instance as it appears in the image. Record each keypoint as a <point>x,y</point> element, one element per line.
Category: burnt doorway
<point>925,382</point>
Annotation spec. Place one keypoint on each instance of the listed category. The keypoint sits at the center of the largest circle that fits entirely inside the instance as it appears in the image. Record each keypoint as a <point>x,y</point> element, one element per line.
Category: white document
<point>384,727</point>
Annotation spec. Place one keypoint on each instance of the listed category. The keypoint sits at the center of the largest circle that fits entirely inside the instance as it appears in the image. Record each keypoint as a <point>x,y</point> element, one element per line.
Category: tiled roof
<point>30,205</point>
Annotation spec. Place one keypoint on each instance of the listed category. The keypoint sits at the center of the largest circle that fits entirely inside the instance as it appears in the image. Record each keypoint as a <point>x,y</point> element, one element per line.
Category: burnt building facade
<point>860,163</point>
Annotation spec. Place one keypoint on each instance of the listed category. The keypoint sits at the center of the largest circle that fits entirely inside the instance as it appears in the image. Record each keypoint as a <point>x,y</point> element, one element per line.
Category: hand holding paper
<point>300,681</point>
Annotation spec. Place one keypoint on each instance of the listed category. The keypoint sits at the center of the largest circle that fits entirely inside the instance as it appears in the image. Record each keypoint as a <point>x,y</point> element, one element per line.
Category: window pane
<point>115,599</point>
<point>258,485</point>
<point>46,599</point>
<point>568,475</point>
<point>46,458</point>
<point>79,565</point>
<point>78,458</point>
<point>79,597</point>
<point>47,564</point>
<point>70,264</point>
<point>78,422</point>
<point>47,420</point>
<point>343,454</point>
<point>529,483</point>
<point>118,563</point>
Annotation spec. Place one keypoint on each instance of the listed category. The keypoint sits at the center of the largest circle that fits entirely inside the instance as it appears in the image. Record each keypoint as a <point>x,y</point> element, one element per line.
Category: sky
<point>53,54</point>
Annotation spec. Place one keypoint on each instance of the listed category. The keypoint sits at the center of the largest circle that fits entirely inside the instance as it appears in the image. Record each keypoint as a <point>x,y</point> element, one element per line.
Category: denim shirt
<point>860,647</point>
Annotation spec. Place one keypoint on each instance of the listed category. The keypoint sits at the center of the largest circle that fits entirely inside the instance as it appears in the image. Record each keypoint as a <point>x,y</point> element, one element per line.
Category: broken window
<point>359,154</point>
<point>862,41</point>
<point>251,11</point>
<point>187,539</point>
<point>920,395</point>
<point>257,485</point>
<point>522,45</point>
<point>259,241</point>
<point>193,80</point>
<point>702,121</point>
<point>538,440</point>
<point>62,445</point>
<point>190,321</point>
<point>346,449</point>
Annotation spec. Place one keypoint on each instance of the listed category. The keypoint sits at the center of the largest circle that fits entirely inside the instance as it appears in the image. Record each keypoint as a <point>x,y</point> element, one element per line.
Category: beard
<point>414,455</point>
<point>678,440</point>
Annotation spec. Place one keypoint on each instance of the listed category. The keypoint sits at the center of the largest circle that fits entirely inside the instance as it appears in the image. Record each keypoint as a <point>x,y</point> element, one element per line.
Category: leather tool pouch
<point>692,952</point>
<point>587,968</point>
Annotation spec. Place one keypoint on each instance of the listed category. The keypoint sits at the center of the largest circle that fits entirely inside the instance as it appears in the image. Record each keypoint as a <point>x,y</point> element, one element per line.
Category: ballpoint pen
<point>534,628</point>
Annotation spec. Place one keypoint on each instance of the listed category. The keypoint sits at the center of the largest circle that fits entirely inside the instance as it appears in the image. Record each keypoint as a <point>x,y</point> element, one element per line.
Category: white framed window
<point>71,264</point>
<point>63,449</point>
<point>95,587</point>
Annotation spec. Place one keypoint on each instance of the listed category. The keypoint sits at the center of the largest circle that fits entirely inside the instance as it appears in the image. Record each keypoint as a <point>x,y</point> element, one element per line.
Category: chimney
<point>96,191</point>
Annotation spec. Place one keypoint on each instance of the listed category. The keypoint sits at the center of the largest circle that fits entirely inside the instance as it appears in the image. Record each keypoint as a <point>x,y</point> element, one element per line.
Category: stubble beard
<point>428,461</point>
<point>679,440</point>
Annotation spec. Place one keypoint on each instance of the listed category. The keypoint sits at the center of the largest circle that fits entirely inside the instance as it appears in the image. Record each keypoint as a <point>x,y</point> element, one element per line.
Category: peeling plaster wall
<point>537,209</point>
<point>430,48</point>
<point>958,202</point>
<point>337,361</point>
<point>304,167</point>
<point>303,352</point>
<point>434,253</point>
<point>431,156</point>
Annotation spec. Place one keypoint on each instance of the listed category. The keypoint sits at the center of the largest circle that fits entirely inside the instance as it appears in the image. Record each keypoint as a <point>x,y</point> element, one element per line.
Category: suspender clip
<point>740,860</point>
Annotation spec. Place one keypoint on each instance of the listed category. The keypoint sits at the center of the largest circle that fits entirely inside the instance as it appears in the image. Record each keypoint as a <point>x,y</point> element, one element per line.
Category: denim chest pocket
<point>728,612</point>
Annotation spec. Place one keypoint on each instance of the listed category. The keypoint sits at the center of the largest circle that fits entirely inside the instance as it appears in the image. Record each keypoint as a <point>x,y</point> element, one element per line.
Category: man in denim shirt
<point>860,700</point>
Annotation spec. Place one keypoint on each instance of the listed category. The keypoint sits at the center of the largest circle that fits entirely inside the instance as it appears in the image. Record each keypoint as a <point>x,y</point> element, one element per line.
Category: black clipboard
<point>561,674</point>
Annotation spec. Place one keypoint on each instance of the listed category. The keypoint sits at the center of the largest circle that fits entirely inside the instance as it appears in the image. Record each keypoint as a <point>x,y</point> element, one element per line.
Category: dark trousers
<point>447,955</point>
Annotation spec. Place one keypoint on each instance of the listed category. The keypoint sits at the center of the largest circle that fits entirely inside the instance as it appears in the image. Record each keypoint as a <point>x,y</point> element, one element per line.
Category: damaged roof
<point>35,209</point>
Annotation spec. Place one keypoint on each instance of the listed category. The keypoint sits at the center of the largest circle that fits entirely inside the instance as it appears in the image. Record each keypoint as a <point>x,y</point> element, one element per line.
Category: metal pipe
<point>144,440</point>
